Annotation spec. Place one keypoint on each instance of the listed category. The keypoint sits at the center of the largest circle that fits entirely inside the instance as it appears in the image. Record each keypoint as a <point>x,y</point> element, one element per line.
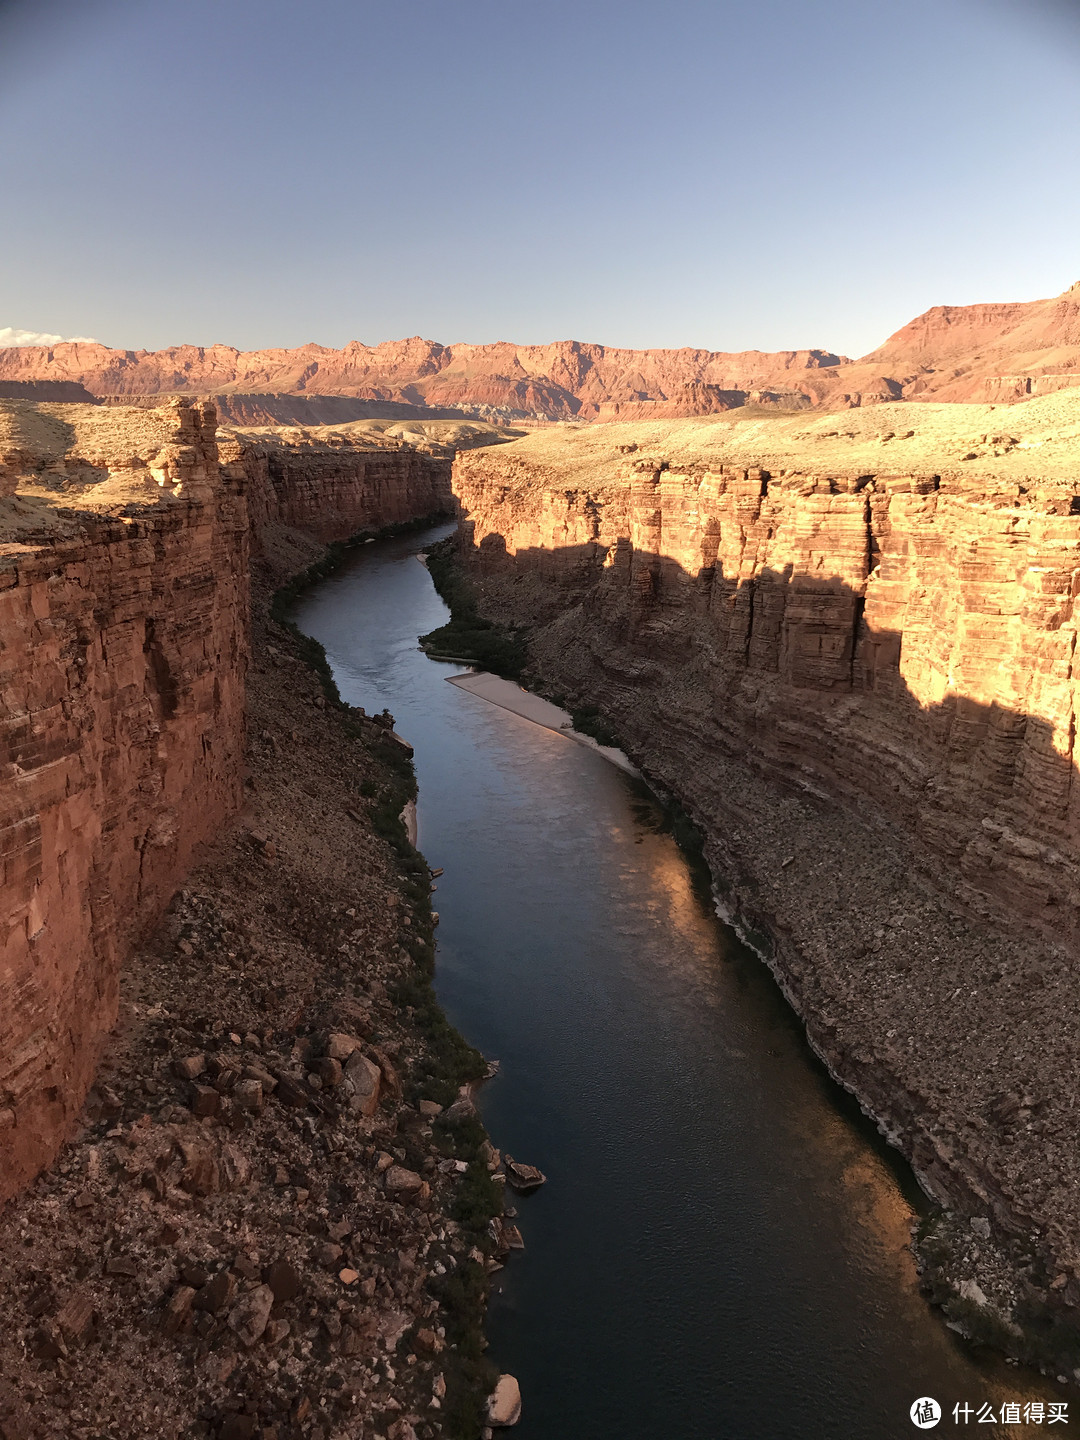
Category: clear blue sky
<point>685,172</point>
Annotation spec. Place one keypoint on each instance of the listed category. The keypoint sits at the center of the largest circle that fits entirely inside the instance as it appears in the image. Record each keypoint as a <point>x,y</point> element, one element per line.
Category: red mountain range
<point>996,352</point>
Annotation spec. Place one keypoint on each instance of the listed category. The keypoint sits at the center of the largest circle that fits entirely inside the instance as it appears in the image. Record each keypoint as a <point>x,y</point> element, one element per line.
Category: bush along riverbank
<point>467,636</point>
<point>446,1068</point>
<point>280,1216</point>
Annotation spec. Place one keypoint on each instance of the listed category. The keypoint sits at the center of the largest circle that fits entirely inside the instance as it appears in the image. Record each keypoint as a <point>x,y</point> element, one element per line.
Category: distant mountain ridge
<point>975,352</point>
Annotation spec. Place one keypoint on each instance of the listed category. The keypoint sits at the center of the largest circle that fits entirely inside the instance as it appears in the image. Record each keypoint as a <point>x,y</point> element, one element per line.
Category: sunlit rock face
<point>124,626</point>
<point>333,490</point>
<point>124,643</point>
<point>859,682</point>
<point>999,353</point>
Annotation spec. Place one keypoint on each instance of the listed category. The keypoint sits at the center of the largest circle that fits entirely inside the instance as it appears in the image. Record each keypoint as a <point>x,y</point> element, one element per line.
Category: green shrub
<point>470,1378</point>
<point>467,635</point>
<point>588,721</point>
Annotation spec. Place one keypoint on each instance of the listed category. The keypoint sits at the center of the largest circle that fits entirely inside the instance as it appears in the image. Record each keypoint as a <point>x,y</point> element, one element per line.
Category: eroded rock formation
<point>998,353</point>
<point>565,380</point>
<point>995,352</point>
<point>906,634</point>
<point>123,653</point>
<point>123,640</point>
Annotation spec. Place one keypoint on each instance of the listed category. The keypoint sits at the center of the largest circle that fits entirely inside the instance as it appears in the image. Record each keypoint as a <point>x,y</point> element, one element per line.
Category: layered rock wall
<point>863,689</point>
<point>333,490</point>
<point>124,619</point>
<point>123,642</point>
<point>995,352</point>
<point>902,641</point>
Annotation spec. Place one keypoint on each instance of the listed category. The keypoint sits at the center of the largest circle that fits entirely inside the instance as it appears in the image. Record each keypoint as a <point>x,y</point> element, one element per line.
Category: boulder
<point>504,1403</point>
<point>177,1315</point>
<point>251,1313</point>
<point>389,1074</point>
<point>248,1095</point>
<point>216,1293</point>
<point>523,1178</point>
<point>340,1047</point>
<point>363,1080</point>
<point>402,1182</point>
<point>461,1109</point>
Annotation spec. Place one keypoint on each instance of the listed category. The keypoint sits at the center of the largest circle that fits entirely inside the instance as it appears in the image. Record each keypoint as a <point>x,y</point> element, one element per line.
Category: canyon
<point>999,353</point>
<point>845,645</point>
<point>842,639</point>
<point>236,1126</point>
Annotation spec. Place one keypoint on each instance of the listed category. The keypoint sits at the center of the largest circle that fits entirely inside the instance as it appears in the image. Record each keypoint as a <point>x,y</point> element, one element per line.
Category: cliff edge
<point>124,616</point>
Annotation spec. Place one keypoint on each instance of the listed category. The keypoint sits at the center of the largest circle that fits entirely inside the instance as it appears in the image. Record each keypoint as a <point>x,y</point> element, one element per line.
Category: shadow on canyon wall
<point>786,671</point>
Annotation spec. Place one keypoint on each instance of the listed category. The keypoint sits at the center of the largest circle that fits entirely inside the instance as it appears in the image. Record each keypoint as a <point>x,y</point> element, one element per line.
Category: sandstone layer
<point>847,647</point>
<point>995,352</point>
<point>123,629</point>
<point>123,647</point>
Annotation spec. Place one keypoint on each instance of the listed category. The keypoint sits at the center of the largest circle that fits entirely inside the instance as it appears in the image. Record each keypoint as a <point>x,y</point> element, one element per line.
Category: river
<point>719,1252</point>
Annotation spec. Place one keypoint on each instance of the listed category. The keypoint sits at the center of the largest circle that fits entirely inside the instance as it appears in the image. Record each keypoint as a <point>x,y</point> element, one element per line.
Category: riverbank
<point>539,711</point>
<point>865,948</point>
<point>271,1222</point>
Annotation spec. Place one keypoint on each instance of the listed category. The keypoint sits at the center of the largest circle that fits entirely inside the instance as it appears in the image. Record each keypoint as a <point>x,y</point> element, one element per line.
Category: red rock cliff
<point>333,488</point>
<point>988,352</point>
<point>124,597</point>
<point>904,639</point>
<point>121,716</point>
<point>564,380</point>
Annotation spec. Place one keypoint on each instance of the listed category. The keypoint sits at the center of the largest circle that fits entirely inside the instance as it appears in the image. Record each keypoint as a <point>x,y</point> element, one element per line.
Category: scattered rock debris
<point>253,1233</point>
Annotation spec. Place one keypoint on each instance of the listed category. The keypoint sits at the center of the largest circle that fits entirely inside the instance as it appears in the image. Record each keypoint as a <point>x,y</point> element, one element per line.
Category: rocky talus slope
<point>847,648</point>
<point>125,577</point>
<point>270,1218</point>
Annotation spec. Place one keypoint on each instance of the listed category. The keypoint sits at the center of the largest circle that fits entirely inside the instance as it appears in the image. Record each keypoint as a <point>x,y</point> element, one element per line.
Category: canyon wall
<point>124,618</point>
<point>122,645</point>
<point>862,686</point>
<point>333,488</point>
<point>564,380</point>
<point>903,641</point>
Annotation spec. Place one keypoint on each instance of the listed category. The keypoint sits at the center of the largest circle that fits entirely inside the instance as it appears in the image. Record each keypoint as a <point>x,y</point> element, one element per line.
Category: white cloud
<point>10,337</point>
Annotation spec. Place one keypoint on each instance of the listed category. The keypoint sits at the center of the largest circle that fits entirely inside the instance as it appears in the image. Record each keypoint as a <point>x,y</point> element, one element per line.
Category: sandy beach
<point>509,696</point>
